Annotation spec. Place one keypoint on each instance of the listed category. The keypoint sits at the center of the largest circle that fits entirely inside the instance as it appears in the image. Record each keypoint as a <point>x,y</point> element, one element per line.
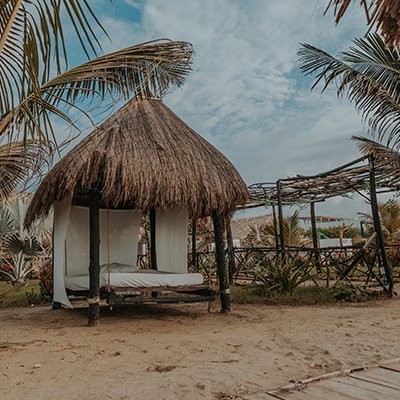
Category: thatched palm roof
<point>147,157</point>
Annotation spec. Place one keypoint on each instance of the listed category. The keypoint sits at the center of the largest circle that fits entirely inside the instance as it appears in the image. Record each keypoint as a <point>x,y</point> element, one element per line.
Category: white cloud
<point>245,94</point>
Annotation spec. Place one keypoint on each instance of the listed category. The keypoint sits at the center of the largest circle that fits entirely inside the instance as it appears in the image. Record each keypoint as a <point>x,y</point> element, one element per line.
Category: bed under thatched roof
<point>148,158</point>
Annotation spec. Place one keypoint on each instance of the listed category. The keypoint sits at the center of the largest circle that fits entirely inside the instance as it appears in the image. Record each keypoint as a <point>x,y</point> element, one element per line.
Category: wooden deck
<point>380,382</point>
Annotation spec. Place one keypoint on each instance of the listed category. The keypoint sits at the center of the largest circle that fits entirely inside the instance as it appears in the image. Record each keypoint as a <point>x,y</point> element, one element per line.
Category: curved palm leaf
<point>17,161</point>
<point>383,14</point>
<point>368,74</point>
<point>32,43</point>
<point>147,69</point>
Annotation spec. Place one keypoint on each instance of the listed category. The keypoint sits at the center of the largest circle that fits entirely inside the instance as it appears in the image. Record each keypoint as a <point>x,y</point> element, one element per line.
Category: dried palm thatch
<point>383,14</point>
<point>146,158</point>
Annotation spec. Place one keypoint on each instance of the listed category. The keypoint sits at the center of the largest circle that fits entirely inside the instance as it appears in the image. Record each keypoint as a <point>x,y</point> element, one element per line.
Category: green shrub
<point>282,275</point>
<point>46,281</point>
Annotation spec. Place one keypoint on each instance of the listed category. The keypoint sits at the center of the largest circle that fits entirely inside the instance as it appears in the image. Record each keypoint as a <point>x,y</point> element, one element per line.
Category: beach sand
<point>184,352</point>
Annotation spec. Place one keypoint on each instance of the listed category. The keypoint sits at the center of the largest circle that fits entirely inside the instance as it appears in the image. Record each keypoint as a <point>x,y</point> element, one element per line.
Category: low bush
<point>46,281</point>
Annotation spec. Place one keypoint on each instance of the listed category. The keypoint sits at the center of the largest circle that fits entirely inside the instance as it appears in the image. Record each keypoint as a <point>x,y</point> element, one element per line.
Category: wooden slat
<point>381,376</point>
<point>314,392</point>
<point>382,392</point>
<point>353,392</point>
<point>392,366</point>
<point>262,396</point>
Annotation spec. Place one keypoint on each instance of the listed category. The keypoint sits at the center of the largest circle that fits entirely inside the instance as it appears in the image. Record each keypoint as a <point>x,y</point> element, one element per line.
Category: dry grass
<point>301,296</point>
<point>19,297</point>
<point>147,158</point>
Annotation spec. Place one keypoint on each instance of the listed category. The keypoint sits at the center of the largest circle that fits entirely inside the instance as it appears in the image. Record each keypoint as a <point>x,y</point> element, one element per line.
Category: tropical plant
<point>264,235</point>
<point>282,275</point>
<point>389,213</point>
<point>22,250</point>
<point>333,232</point>
<point>368,74</point>
<point>384,15</point>
<point>35,85</point>
<point>16,160</point>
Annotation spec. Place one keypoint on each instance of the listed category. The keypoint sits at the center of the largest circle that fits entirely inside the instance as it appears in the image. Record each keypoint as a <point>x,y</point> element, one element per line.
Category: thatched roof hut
<point>148,158</point>
<point>142,159</point>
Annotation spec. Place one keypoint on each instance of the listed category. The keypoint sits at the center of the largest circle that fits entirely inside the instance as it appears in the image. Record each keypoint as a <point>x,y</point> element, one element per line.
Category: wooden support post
<point>94,251</point>
<point>280,216</point>
<point>194,244</point>
<point>314,236</point>
<point>378,228</point>
<point>231,252</point>
<point>218,221</point>
<point>153,249</point>
<point>275,228</point>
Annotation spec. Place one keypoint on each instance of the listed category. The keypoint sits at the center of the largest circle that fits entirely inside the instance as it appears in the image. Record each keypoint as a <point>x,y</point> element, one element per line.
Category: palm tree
<point>22,250</point>
<point>35,82</point>
<point>368,74</point>
<point>384,15</point>
<point>293,233</point>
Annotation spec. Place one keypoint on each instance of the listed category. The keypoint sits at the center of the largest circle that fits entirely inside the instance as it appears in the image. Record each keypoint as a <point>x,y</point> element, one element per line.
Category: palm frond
<point>143,70</point>
<point>384,15</point>
<point>32,43</point>
<point>368,75</point>
<point>17,161</point>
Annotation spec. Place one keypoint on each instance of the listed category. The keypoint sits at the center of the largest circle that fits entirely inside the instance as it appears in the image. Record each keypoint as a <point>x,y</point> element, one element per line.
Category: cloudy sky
<point>246,94</point>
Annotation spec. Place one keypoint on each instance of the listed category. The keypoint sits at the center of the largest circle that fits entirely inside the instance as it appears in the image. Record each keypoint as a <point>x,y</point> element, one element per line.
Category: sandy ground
<point>184,352</point>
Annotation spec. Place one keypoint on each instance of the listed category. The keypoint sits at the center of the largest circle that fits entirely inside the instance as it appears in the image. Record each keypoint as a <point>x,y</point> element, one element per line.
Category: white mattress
<point>136,279</point>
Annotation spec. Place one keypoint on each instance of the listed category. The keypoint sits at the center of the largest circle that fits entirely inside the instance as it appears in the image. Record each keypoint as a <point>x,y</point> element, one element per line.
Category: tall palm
<point>33,87</point>
<point>36,86</point>
<point>368,74</point>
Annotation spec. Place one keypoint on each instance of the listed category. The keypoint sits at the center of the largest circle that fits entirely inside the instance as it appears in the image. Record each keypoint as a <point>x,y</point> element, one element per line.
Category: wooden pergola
<point>374,173</point>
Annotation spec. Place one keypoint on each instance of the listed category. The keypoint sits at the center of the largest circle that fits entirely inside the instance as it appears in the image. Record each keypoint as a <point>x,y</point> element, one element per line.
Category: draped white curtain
<point>171,240</point>
<point>119,232</point>
<point>60,227</point>
<point>119,235</point>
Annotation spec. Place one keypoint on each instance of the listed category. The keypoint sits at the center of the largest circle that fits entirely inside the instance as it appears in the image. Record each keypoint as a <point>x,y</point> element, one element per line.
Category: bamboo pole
<point>280,217</point>
<point>94,250</point>
<point>378,228</point>
<point>314,236</point>
<point>275,228</point>
<point>153,249</point>
<point>218,221</point>
<point>231,252</point>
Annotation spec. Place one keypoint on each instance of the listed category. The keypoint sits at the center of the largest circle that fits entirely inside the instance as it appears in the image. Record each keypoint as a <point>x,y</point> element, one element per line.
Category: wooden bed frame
<point>157,294</point>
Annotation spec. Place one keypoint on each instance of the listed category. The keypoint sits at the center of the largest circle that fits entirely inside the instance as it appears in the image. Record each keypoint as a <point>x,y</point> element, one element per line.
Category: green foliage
<point>11,296</point>
<point>303,295</point>
<point>353,294</point>
<point>282,275</point>
<point>46,281</point>
<point>333,232</point>
<point>32,296</point>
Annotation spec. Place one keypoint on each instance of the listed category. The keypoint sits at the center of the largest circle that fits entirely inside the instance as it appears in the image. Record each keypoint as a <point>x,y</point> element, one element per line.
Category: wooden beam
<point>194,244</point>
<point>94,261</point>
<point>231,252</point>
<point>280,216</point>
<point>314,236</point>
<point>275,228</point>
<point>218,221</point>
<point>378,228</point>
<point>153,247</point>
